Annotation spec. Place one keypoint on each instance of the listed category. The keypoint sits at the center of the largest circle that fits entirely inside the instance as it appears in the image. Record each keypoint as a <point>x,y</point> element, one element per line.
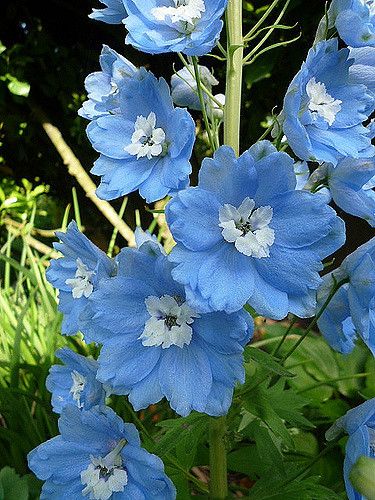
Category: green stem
<point>232,110</point>
<point>202,102</point>
<point>332,381</point>
<point>218,459</point>
<point>283,338</point>
<point>233,90</point>
<point>336,286</point>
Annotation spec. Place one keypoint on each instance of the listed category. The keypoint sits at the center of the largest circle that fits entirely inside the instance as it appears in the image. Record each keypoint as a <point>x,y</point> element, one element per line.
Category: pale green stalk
<point>232,111</point>
<point>233,90</point>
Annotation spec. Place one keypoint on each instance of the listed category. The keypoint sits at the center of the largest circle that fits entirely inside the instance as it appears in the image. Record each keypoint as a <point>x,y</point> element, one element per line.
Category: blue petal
<point>124,363</point>
<point>196,205</point>
<point>231,179</point>
<point>185,378</point>
<point>224,276</point>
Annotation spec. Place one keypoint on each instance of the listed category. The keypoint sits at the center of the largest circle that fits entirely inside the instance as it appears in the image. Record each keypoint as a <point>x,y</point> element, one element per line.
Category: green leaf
<point>18,88</point>
<point>274,406</point>
<point>307,489</point>
<point>13,487</point>
<point>268,449</point>
<point>259,405</point>
<point>260,69</point>
<point>362,477</point>
<point>245,460</point>
<point>183,435</point>
<point>266,360</point>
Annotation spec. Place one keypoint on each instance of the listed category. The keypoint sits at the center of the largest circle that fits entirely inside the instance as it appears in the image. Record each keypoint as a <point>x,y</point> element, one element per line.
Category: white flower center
<point>371,6</point>
<point>114,87</point>
<point>79,382</point>
<point>185,13</point>
<point>169,323</point>
<point>146,139</point>
<point>81,284</point>
<point>321,102</point>
<point>248,228</point>
<point>105,476</point>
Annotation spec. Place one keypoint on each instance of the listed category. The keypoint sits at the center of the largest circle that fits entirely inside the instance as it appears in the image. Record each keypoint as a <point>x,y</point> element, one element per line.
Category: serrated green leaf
<point>182,434</point>
<point>307,489</point>
<point>269,452</point>
<point>266,360</point>
<point>259,405</point>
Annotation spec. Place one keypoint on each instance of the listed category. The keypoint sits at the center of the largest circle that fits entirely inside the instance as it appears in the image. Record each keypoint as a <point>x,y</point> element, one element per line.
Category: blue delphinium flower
<point>77,274</point>
<point>184,86</point>
<point>189,26</point>
<point>155,344</point>
<point>351,312</point>
<point>363,69</point>
<point>359,423</point>
<point>98,456</point>
<point>147,146</point>
<point>246,235</point>
<point>354,21</point>
<point>104,87</point>
<point>325,106</point>
<point>351,185</point>
<point>74,382</point>
<point>113,13</point>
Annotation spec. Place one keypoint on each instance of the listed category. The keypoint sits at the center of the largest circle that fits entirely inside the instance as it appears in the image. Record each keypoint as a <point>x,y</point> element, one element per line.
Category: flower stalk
<point>232,112</point>
<point>218,459</point>
<point>233,90</point>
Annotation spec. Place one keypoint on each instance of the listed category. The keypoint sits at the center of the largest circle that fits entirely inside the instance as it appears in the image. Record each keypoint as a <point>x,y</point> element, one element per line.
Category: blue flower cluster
<point>189,26</point>
<point>77,274</point>
<point>354,21</point>
<point>326,104</point>
<point>350,184</point>
<point>74,383</point>
<point>359,423</point>
<point>254,231</point>
<point>113,13</point>
<point>245,234</point>
<point>98,456</point>
<point>145,143</point>
<point>351,312</point>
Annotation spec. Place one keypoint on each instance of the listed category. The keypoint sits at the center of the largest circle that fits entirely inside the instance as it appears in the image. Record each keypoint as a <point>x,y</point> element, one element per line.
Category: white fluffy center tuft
<point>321,102</point>
<point>79,382</point>
<point>169,323</point>
<point>248,228</point>
<point>147,140</point>
<point>81,284</point>
<point>105,475</point>
<point>184,13</point>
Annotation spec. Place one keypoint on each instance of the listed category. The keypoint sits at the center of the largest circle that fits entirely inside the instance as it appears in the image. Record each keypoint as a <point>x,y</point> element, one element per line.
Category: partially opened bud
<point>362,477</point>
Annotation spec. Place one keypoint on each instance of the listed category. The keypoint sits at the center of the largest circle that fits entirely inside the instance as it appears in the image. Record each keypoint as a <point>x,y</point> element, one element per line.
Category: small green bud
<point>362,477</point>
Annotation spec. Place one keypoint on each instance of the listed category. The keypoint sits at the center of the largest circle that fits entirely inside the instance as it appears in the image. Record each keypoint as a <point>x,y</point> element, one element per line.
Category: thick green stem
<point>233,90</point>
<point>218,459</point>
<point>232,111</point>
